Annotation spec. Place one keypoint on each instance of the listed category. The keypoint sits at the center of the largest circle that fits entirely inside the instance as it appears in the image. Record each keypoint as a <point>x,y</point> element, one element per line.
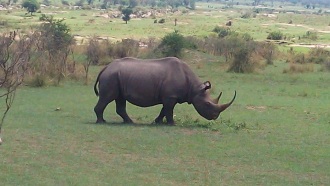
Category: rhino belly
<point>141,95</point>
<point>141,100</point>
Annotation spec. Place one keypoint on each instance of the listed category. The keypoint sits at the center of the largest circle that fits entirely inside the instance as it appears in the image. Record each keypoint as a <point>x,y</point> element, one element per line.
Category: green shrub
<point>276,35</point>
<point>43,17</point>
<point>172,44</point>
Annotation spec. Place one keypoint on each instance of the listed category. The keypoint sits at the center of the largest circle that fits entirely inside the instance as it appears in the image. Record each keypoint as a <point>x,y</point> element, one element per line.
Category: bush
<point>249,14</point>
<point>65,2</point>
<point>298,58</point>
<point>276,35</point>
<point>310,35</point>
<point>318,55</point>
<point>43,17</point>
<point>79,3</point>
<point>36,81</point>
<point>243,56</point>
<point>161,21</point>
<point>267,51</point>
<point>172,44</point>
<point>242,62</point>
<point>222,31</point>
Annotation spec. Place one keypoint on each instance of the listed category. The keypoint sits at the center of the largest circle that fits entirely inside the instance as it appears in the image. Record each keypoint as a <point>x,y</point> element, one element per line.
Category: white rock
<point>0,141</point>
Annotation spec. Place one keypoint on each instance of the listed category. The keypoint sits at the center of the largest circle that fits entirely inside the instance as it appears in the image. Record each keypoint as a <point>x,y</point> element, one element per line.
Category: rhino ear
<point>207,85</point>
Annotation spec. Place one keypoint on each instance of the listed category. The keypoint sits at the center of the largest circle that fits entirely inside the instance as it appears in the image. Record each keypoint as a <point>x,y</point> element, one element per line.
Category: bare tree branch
<point>15,51</point>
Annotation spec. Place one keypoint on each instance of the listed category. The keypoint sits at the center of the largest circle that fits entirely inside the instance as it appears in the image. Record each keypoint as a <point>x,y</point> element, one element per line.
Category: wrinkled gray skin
<point>146,83</point>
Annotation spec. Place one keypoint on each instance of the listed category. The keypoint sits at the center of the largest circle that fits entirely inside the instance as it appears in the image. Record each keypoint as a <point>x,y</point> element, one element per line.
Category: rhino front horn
<point>225,106</point>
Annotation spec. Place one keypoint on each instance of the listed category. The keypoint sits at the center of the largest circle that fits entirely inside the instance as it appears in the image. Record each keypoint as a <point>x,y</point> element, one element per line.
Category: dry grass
<point>299,68</point>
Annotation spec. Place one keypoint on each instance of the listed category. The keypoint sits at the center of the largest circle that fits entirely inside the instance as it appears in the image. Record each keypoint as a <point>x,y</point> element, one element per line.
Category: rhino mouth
<point>215,117</point>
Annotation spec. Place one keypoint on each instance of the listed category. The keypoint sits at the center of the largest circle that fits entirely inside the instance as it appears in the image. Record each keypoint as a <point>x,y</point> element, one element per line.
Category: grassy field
<point>190,23</point>
<point>276,133</point>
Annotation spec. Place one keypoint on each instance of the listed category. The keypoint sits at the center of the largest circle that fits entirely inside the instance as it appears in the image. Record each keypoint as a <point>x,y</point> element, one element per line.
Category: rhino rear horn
<point>216,100</point>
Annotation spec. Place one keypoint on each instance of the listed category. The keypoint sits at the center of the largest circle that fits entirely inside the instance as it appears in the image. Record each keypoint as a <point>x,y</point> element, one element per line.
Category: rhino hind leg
<point>104,100</point>
<point>160,117</point>
<point>167,111</point>
<point>121,110</point>
<point>99,109</point>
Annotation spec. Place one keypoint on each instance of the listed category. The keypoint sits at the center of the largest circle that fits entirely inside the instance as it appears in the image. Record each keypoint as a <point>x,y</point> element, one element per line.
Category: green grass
<point>276,133</point>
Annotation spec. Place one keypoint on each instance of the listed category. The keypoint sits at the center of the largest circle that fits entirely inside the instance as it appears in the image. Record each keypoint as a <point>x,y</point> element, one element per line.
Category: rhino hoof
<point>101,121</point>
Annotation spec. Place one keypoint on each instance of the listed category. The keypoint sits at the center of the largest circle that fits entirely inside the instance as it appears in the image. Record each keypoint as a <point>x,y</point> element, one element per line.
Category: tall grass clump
<point>299,68</point>
<point>326,66</point>
<point>304,62</point>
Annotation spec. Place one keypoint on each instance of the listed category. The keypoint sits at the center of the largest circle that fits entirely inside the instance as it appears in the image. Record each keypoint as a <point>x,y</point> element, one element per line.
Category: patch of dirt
<point>311,45</point>
<point>304,26</point>
<point>256,108</point>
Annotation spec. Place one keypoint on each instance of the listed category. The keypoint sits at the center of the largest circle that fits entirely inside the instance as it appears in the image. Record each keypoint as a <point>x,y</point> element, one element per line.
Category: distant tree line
<point>306,3</point>
<point>153,3</point>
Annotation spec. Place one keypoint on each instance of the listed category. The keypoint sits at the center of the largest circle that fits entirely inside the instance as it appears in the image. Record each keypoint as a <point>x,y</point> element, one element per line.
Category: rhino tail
<point>97,81</point>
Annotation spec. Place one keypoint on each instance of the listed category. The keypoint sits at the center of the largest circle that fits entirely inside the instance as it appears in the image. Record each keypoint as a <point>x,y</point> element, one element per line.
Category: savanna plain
<point>277,132</point>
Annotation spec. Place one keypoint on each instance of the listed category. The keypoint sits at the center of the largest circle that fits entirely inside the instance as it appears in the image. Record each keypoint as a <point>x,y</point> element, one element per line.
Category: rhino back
<point>149,82</point>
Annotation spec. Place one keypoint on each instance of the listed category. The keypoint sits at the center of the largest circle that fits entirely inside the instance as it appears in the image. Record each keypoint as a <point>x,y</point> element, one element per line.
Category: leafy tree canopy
<point>126,14</point>
<point>31,5</point>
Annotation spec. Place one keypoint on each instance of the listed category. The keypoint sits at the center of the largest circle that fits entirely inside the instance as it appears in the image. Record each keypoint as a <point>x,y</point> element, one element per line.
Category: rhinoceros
<point>150,82</point>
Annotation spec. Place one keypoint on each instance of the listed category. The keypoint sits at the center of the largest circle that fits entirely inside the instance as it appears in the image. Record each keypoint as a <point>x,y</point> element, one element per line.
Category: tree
<point>14,57</point>
<point>55,44</point>
<point>31,6</point>
<point>126,14</point>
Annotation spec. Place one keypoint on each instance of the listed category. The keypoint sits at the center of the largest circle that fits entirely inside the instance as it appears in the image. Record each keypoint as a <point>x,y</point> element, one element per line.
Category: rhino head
<point>205,105</point>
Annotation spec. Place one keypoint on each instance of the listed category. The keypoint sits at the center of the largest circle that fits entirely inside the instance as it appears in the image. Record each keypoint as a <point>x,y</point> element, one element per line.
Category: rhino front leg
<point>121,110</point>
